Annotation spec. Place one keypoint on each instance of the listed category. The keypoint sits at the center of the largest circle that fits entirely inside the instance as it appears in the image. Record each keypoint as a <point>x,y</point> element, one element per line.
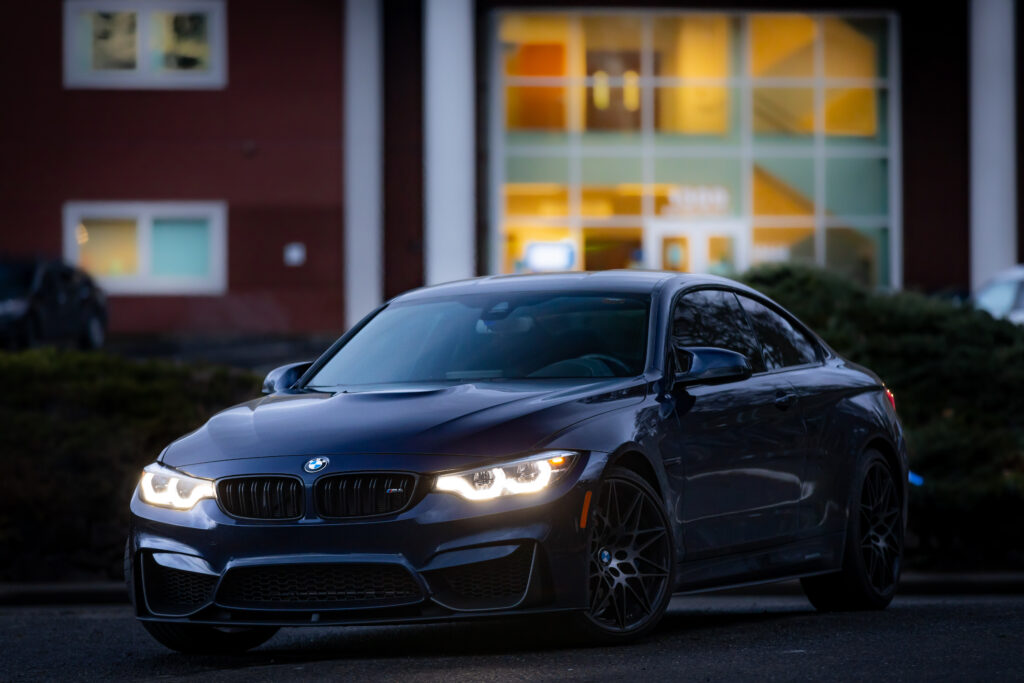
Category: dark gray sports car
<point>586,444</point>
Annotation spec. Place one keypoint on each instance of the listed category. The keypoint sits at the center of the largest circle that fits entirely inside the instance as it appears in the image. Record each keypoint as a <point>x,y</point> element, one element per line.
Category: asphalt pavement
<point>707,637</point>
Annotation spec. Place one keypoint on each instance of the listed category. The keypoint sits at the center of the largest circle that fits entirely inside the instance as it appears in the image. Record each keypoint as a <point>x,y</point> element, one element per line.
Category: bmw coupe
<point>586,444</point>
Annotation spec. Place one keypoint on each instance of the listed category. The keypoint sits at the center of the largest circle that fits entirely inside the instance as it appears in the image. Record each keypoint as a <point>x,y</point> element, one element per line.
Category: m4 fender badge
<point>316,465</point>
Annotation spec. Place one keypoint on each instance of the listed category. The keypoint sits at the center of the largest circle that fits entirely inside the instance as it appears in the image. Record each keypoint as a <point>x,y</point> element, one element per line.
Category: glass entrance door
<point>716,247</point>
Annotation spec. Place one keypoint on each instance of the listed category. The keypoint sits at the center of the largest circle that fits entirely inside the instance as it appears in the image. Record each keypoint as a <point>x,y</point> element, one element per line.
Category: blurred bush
<point>958,378</point>
<point>75,431</point>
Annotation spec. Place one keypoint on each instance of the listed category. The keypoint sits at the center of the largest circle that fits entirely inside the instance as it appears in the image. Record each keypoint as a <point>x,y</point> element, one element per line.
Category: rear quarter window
<point>783,344</point>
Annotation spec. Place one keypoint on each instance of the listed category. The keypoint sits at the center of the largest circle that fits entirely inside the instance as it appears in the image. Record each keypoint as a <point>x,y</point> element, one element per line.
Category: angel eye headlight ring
<point>164,487</point>
<point>525,475</point>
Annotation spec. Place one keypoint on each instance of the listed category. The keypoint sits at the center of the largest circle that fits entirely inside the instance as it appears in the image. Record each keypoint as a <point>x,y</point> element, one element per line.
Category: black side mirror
<point>711,366</point>
<point>284,377</point>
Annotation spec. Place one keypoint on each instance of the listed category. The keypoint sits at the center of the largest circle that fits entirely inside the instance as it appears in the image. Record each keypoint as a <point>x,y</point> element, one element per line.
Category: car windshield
<point>496,336</point>
<point>15,280</point>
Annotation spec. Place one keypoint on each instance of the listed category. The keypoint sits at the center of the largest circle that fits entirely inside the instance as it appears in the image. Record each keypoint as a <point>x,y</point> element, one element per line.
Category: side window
<point>712,317</point>
<point>783,344</point>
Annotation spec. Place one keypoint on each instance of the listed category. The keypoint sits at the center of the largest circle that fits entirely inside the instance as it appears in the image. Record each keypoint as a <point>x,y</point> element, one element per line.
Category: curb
<point>912,583</point>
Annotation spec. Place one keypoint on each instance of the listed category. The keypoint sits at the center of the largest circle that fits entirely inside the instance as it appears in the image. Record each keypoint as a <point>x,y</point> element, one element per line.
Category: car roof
<point>625,281</point>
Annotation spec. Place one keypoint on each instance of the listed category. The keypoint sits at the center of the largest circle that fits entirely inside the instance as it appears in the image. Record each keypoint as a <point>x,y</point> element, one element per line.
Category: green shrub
<point>75,431</point>
<point>958,376</point>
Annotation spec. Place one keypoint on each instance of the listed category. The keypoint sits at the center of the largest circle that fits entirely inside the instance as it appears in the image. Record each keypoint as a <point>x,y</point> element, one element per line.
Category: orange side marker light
<point>586,508</point>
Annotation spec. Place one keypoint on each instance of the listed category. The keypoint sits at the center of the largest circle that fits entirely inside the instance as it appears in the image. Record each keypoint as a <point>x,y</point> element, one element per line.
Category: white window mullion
<point>498,126</point>
<point>819,142</point>
<point>647,103</point>
<point>895,159</point>
<point>144,233</point>
<point>577,93</point>
<point>746,95</point>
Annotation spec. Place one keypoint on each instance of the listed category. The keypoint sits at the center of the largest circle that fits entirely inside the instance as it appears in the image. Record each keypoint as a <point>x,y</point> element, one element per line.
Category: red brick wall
<point>269,145</point>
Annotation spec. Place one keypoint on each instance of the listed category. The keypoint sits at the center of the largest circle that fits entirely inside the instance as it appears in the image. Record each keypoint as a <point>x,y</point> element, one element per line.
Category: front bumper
<point>441,558</point>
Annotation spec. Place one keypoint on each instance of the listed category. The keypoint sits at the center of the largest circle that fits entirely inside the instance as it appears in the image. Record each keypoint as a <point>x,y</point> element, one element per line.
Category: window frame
<point>144,76</point>
<point>144,283</point>
<point>683,293</point>
<point>821,351</point>
<point>746,150</point>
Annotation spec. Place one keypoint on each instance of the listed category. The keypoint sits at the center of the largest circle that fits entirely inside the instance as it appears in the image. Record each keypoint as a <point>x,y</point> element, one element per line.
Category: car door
<point>793,354</point>
<point>739,441</point>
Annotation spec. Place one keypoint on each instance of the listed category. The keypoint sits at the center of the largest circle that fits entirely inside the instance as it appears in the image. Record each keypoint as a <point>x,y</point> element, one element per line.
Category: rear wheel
<point>195,639</point>
<point>874,545</point>
<point>629,559</point>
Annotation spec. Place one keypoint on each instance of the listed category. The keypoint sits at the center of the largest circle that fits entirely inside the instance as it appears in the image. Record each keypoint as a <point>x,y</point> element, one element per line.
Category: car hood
<point>487,419</point>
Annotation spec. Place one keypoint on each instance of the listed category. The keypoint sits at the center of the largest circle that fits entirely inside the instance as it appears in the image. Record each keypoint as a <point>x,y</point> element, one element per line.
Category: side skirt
<point>806,557</point>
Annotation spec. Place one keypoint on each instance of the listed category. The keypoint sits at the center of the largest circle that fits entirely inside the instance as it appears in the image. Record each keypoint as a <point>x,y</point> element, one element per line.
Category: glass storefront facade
<point>694,141</point>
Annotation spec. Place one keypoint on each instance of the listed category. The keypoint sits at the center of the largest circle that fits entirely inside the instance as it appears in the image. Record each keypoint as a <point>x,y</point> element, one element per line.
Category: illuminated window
<point>149,248</point>
<point>705,141</point>
<point>140,44</point>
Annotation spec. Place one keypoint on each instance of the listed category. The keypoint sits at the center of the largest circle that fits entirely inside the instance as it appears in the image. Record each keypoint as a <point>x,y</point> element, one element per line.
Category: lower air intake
<point>173,591</point>
<point>492,584</point>
<point>318,586</point>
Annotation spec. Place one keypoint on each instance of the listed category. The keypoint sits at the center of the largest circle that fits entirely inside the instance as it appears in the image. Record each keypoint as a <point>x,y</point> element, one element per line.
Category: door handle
<point>784,399</point>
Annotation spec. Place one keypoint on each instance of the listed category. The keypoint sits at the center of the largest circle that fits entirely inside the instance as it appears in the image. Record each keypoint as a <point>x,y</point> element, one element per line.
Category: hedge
<point>75,431</point>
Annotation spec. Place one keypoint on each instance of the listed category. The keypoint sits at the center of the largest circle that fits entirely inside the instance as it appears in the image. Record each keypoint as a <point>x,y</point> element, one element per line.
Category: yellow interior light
<point>602,93</point>
<point>631,90</point>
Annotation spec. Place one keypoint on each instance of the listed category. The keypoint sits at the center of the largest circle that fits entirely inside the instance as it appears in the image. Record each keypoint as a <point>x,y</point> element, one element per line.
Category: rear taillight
<point>892,399</point>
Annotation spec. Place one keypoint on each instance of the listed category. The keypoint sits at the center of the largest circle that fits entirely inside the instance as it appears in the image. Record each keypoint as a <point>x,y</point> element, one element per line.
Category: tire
<point>873,553</point>
<point>203,639</point>
<point>93,334</point>
<point>629,572</point>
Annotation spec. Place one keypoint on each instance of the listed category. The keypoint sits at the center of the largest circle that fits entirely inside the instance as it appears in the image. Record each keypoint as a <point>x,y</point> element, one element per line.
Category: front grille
<point>173,591</point>
<point>363,494</point>
<point>261,497</point>
<point>318,586</point>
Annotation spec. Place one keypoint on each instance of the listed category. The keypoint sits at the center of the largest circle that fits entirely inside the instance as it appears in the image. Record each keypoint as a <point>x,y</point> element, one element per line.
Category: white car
<point>1002,296</point>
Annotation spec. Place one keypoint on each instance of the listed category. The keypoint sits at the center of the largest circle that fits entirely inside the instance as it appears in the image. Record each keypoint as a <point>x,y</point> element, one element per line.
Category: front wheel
<point>874,545</point>
<point>196,639</point>
<point>629,559</point>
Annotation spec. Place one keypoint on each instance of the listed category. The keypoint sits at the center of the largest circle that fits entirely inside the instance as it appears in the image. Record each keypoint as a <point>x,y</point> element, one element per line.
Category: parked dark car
<point>584,444</point>
<point>50,302</point>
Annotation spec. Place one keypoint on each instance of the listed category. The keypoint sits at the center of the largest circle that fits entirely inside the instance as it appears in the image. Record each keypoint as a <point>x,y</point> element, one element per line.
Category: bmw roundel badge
<point>315,464</point>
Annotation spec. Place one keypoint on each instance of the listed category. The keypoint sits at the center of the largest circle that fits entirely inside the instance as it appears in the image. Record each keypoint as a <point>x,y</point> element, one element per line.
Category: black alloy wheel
<point>629,558</point>
<point>874,544</point>
<point>880,540</point>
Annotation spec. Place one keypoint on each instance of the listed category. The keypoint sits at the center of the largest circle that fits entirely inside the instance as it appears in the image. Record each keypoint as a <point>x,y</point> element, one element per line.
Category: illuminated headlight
<point>527,475</point>
<point>167,488</point>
